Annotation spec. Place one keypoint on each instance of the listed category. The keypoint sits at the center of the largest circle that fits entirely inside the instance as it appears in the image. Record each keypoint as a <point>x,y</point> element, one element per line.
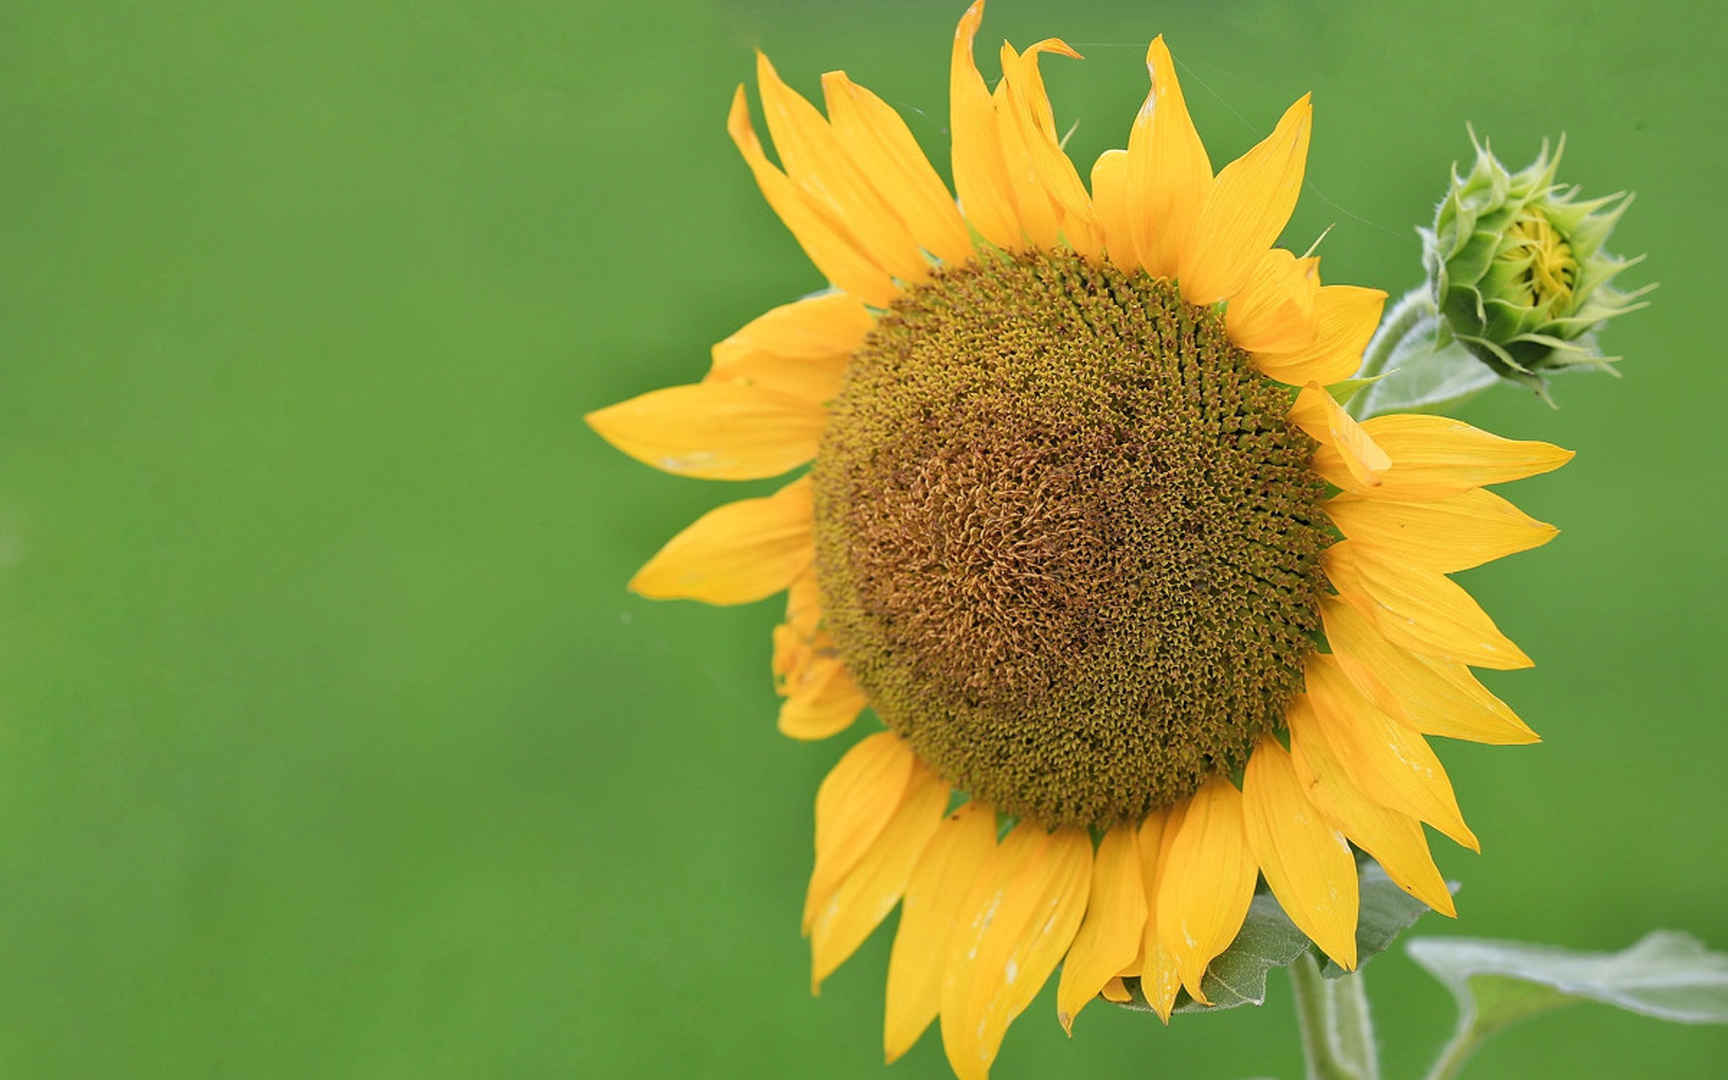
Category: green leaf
<point>1344,391</point>
<point>1668,975</point>
<point>1268,939</point>
<point>1386,912</point>
<point>1422,376</point>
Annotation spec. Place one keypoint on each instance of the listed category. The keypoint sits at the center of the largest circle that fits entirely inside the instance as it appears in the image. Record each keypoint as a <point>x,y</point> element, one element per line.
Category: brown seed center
<point>1067,538</point>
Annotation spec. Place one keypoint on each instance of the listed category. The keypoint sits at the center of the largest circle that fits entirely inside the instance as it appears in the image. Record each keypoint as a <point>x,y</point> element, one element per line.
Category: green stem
<point>1455,1053</point>
<point>1354,1025</point>
<point>1404,317</point>
<point>1337,1034</point>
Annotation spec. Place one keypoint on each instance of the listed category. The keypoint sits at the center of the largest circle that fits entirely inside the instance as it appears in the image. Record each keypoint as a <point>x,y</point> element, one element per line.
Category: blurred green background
<point>331,743</point>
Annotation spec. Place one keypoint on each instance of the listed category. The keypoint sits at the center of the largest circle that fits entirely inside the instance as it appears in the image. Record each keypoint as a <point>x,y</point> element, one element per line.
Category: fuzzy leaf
<point>1668,975</point>
<point>1422,376</point>
<point>1268,940</point>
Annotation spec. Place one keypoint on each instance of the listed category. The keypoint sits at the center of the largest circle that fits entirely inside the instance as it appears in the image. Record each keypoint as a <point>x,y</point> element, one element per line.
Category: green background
<point>330,741</point>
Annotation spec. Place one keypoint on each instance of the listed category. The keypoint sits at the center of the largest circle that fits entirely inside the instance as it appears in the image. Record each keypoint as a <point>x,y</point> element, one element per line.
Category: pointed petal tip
<point>969,21</point>
<point>738,116</point>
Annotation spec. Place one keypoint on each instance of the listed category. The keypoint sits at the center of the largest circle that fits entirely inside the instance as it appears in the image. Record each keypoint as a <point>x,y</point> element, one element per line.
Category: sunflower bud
<point>1518,269</point>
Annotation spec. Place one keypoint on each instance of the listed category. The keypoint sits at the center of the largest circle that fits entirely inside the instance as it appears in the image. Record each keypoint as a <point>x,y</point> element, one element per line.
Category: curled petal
<point>1052,179</point>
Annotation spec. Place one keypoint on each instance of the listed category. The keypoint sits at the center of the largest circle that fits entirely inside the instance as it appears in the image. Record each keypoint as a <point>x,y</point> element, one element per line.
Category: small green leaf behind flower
<point>1268,940</point>
<point>1668,975</point>
<point>1518,270</point>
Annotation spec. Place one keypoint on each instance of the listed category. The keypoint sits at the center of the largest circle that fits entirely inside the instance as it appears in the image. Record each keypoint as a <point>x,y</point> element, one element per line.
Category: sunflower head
<point>1519,269</point>
<point>1146,616</point>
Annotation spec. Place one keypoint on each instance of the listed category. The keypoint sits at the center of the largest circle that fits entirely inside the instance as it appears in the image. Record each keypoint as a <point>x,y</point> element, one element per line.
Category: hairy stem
<point>1455,1053</point>
<point>1404,317</point>
<point>1337,1033</point>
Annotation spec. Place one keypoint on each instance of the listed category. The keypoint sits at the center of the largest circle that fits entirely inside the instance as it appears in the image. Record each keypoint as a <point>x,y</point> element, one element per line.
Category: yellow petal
<point>1436,697</point>
<point>980,174</point>
<point>1319,414</point>
<point>804,603</point>
<point>1450,534</point>
<point>853,806</point>
<point>1345,318</point>
<point>718,431</point>
<point>1306,860</point>
<point>1246,209</point>
<point>1115,921</point>
<point>799,349</point>
<point>1016,923</point>
<point>737,553</point>
<point>813,382</point>
<point>879,141</point>
<point>1117,991</point>
<point>1419,609</point>
<point>874,886</point>
<point>1169,173</point>
<point>1053,174</point>
<point>823,238</point>
<point>1394,839</point>
<point>821,700</point>
<point>818,162</point>
<point>796,641</point>
<point>1387,761</point>
<point>815,328</point>
<point>1110,203</point>
<point>950,866</point>
<point>1159,977</point>
<point>1206,886</point>
<point>1434,456</point>
<point>1275,309</point>
<point>1039,217</point>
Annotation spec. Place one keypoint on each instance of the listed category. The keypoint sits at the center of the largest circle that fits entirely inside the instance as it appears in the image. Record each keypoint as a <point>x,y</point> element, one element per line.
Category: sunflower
<point>1146,615</point>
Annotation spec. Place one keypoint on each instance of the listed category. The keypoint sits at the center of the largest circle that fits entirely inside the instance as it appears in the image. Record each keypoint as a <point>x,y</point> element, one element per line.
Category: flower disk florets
<point>1067,539</point>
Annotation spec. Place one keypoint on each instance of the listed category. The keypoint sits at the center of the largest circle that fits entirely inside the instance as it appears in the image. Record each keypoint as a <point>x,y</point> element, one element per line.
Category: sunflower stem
<point>1459,1049</point>
<point>1337,1033</point>
<point>1405,318</point>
